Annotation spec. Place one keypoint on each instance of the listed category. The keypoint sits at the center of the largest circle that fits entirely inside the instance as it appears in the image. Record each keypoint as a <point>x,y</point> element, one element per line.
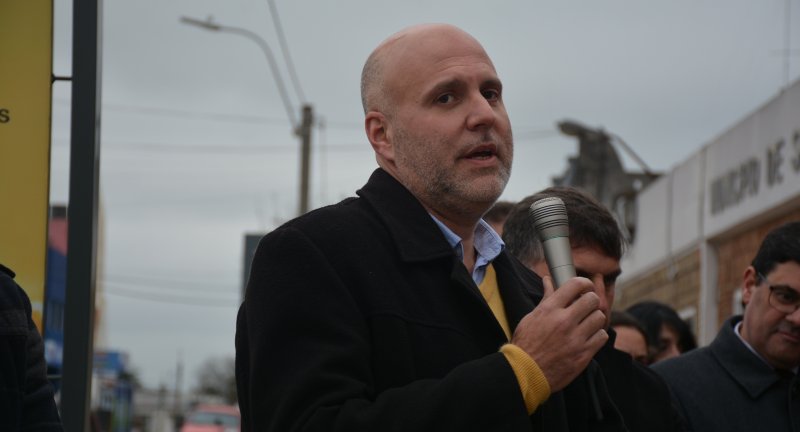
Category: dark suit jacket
<point>26,397</point>
<point>359,317</point>
<point>725,387</point>
<point>641,396</point>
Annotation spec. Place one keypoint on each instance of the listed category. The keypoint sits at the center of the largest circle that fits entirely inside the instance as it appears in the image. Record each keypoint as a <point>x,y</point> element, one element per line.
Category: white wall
<point>740,176</point>
<point>650,245</point>
<point>686,214</point>
<point>755,141</point>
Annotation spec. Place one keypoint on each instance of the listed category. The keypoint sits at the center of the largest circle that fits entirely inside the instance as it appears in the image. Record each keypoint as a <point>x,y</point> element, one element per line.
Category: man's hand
<point>564,331</point>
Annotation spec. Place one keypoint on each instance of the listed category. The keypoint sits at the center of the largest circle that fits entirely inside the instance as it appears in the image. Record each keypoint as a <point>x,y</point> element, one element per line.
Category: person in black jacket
<point>747,378</point>
<point>26,397</point>
<point>399,310</point>
<point>597,245</point>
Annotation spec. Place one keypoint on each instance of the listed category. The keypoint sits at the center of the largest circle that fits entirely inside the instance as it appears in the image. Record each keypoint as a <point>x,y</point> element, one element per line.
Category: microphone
<point>550,219</point>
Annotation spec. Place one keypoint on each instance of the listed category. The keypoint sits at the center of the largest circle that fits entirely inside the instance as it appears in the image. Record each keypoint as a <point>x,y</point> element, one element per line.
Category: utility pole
<point>82,214</point>
<point>787,42</point>
<point>177,408</point>
<point>304,131</point>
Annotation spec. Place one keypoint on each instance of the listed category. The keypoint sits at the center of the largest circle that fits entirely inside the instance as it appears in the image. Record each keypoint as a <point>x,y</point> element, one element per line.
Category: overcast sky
<point>197,148</point>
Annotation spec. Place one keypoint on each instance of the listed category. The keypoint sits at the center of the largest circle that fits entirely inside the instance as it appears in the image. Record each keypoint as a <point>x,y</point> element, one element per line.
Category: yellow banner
<point>26,64</point>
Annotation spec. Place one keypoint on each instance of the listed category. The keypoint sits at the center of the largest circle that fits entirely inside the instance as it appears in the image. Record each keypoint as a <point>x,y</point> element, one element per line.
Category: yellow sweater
<point>532,382</point>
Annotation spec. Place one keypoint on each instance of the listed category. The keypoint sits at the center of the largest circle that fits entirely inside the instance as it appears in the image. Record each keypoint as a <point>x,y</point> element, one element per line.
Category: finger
<point>567,293</point>
<point>581,303</point>
<point>548,286</point>
<point>592,323</point>
<point>585,285</point>
<point>598,339</point>
<point>576,286</point>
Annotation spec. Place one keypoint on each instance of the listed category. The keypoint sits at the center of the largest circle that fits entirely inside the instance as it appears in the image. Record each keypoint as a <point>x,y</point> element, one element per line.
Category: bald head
<point>434,115</point>
<point>399,49</point>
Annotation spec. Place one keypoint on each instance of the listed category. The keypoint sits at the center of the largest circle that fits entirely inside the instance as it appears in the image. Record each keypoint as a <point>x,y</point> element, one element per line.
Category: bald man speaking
<point>399,310</point>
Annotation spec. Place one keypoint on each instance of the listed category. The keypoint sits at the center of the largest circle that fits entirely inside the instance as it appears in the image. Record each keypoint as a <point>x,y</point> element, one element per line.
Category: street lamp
<point>302,129</point>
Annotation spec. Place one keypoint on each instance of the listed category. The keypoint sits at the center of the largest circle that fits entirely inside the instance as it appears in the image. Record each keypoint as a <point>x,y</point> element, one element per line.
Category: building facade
<point>700,224</point>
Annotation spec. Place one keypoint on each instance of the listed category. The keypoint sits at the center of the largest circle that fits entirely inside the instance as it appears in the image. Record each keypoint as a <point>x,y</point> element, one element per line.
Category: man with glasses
<point>746,380</point>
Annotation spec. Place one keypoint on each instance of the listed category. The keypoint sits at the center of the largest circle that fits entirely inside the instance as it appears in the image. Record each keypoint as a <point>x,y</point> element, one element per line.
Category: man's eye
<point>786,296</point>
<point>444,99</point>
<point>491,94</point>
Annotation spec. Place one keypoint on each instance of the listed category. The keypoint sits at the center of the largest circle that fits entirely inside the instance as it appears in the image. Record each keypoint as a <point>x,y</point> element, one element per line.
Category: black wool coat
<point>725,387</point>
<point>26,397</point>
<point>641,395</point>
<point>359,317</point>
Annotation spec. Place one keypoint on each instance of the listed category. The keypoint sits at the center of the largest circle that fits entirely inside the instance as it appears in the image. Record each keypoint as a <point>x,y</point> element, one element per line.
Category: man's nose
<point>482,113</point>
<point>794,317</point>
<point>600,290</point>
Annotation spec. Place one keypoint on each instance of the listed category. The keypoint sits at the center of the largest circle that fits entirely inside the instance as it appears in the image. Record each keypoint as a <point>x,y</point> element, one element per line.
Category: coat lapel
<point>418,239</point>
<point>741,364</point>
<point>517,298</point>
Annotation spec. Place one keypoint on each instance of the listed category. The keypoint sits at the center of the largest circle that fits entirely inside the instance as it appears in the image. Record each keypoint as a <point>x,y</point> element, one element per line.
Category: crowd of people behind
<point>418,307</point>
<point>650,331</point>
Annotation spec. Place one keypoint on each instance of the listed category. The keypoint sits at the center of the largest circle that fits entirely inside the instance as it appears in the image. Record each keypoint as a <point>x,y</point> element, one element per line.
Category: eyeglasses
<point>782,297</point>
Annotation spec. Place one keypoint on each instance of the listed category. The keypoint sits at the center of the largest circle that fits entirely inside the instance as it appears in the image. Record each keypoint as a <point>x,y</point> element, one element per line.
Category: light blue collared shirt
<point>488,246</point>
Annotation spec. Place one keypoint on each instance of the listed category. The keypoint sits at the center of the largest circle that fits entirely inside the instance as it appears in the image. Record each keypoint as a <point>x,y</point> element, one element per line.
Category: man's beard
<point>443,185</point>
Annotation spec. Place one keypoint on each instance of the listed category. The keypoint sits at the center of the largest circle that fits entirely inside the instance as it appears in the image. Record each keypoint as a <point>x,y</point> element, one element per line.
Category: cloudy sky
<point>197,148</point>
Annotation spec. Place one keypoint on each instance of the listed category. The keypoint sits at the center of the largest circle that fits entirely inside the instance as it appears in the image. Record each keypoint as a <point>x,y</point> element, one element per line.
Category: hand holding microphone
<point>565,330</point>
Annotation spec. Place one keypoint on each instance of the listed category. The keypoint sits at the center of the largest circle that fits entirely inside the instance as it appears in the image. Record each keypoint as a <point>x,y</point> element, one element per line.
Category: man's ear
<point>377,129</point>
<point>539,267</point>
<point>749,281</point>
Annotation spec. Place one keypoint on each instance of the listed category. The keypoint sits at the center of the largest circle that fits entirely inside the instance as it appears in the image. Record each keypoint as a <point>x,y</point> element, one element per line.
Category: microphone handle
<point>558,254</point>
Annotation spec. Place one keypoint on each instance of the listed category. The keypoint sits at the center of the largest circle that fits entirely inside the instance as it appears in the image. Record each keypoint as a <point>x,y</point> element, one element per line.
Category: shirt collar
<point>487,243</point>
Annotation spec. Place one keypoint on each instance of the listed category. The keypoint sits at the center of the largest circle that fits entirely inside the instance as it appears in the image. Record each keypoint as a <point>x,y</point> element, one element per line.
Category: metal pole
<point>82,215</point>
<point>210,25</point>
<point>787,42</point>
<point>303,129</point>
<point>305,155</point>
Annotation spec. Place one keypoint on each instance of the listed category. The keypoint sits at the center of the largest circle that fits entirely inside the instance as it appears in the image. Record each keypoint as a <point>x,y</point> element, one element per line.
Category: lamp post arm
<point>273,66</point>
<point>209,24</point>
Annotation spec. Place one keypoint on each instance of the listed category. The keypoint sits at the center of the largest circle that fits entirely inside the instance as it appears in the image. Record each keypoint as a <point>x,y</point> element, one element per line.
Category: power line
<point>202,149</point>
<point>178,283</point>
<point>201,115</point>
<point>177,292</point>
<point>285,50</point>
<point>522,132</point>
<point>185,301</point>
<point>273,66</point>
<point>206,149</point>
<point>537,134</point>
<point>344,125</point>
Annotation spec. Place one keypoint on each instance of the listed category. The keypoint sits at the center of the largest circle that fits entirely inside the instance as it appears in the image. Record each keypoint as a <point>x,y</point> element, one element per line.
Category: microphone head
<point>550,218</point>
